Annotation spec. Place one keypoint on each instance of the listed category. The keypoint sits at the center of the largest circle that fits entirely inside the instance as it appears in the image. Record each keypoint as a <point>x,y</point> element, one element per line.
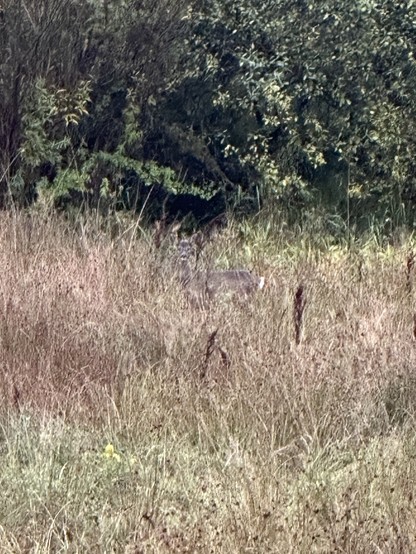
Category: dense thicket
<point>202,105</point>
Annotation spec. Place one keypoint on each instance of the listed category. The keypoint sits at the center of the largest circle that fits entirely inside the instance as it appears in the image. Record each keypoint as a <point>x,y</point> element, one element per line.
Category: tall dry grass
<point>132,423</point>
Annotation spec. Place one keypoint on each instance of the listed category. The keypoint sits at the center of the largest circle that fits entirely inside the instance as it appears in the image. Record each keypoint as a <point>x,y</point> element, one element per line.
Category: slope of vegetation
<point>131,423</point>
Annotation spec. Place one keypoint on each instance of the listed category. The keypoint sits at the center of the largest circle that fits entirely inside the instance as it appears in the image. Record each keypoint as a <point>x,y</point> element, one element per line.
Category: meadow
<point>131,422</point>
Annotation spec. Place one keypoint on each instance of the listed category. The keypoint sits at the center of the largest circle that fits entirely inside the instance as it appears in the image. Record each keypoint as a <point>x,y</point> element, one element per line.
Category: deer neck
<point>185,271</point>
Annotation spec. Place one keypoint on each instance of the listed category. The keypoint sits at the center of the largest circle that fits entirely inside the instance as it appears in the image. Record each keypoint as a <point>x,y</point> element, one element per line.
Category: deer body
<point>203,286</point>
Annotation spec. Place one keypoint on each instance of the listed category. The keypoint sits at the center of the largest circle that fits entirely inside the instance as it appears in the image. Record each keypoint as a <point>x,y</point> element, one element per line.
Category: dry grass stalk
<point>410,271</point>
<point>210,349</point>
<point>299,303</point>
<point>212,345</point>
<point>225,359</point>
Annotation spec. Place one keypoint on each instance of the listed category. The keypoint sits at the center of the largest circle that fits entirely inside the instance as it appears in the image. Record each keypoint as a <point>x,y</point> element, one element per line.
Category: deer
<point>201,287</point>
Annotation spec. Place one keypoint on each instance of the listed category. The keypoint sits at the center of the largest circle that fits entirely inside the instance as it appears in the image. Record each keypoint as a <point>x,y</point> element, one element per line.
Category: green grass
<point>121,430</point>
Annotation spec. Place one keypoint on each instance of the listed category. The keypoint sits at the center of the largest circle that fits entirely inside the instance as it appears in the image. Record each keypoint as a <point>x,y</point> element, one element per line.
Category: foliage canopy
<point>299,105</point>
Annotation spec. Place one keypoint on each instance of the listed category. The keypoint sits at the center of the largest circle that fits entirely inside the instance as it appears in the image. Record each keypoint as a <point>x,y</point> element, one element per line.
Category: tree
<point>297,91</point>
<point>41,45</point>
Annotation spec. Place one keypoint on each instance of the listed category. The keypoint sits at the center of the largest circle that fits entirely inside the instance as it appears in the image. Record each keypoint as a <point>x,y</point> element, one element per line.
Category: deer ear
<point>199,240</point>
<point>174,232</point>
<point>175,228</point>
<point>163,231</point>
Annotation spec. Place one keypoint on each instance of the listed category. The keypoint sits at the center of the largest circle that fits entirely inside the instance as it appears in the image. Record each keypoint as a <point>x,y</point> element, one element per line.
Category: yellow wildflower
<point>110,453</point>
